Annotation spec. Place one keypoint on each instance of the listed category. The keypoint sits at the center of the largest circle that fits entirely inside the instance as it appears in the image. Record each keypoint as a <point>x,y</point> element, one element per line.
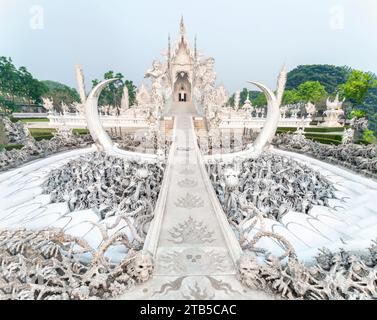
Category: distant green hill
<point>329,76</point>
<point>60,92</point>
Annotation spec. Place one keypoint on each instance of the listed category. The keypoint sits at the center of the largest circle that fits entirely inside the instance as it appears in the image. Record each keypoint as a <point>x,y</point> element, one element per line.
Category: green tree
<point>368,136</point>
<point>291,97</point>
<point>357,86</point>
<point>9,86</point>
<point>357,114</point>
<point>259,100</point>
<point>256,97</point>
<point>243,96</point>
<point>17,86</point>
<point>231,100</point>
<point>112,94</point>
<point>312,91</point>
<point>131,91</point>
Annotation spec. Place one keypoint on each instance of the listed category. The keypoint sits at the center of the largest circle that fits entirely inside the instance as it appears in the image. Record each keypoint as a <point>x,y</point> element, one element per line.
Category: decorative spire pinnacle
<point>336,104</point>
<point>182,27</point>
<point>81,83</point>
<point>169,51</point>
<point>337,98</point>
<point>282,81</point>
<point>196,48</point>
<point>169,46</point>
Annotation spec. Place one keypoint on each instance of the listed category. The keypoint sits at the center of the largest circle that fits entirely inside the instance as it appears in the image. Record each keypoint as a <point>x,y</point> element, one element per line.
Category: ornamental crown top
<point>336,104</point>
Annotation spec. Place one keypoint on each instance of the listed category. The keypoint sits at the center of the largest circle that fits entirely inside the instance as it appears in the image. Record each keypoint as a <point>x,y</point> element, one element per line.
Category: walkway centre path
<point>192,260</point>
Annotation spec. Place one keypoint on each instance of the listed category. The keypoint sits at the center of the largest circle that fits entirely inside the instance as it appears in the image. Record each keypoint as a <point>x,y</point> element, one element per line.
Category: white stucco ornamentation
<point>333,112</point>
<point>348,136</point>
<point>48,104</point>
<point>310,109</point>
<point>249,214</point>
<point>143,96</point>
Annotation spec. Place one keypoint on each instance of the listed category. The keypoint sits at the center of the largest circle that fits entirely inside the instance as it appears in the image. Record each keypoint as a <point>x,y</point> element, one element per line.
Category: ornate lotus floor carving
<point>187,171</point>
<point>187,183</point>
<point>190,201</point>
<point>191,231</point>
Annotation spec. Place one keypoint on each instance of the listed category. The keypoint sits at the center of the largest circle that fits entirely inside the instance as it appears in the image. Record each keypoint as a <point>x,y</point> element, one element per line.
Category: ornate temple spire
<point>182,27</point>
<point>196,49</point>
<point>169,49</point>
<point>248,98</point>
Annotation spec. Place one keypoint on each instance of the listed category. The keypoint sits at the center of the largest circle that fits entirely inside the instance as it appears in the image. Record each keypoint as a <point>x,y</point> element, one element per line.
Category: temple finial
<point>182,26</point>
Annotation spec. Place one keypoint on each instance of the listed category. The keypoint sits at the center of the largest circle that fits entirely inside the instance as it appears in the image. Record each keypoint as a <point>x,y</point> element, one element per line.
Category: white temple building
<point>185,80</point>
<point>106,218</point>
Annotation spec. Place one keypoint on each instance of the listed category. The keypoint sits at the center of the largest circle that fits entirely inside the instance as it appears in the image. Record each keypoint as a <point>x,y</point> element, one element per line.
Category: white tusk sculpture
<point>81,83</point>
<point>273,111</point>
<point>269,130</point>
<point>101,139</point>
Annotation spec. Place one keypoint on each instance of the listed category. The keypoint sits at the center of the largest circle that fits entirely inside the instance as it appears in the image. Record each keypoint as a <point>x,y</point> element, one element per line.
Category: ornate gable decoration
<point>182,53</point>
<point>143,97</point>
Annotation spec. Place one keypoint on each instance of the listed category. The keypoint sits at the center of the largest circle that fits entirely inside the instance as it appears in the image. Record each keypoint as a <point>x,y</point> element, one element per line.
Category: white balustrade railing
<point>28,115</point>
<point>242,122</point>
<point>79,121</point>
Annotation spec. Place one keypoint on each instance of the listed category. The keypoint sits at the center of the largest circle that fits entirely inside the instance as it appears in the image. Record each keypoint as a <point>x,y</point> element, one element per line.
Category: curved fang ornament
<point>101,139</point>
<point>273,111</point>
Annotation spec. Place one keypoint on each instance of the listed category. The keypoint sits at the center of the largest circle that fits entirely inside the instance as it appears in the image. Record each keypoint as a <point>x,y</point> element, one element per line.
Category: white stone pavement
<point>192,260</point>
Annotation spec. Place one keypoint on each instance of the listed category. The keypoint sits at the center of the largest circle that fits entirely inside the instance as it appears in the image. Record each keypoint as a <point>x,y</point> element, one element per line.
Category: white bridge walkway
<point>195,253</point>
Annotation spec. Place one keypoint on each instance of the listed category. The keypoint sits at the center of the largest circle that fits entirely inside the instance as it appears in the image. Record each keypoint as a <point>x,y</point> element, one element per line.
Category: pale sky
<point>250,39</point>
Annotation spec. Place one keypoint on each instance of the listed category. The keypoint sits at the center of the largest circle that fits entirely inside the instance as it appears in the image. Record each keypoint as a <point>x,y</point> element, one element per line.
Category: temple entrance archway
<point>182,88</point>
